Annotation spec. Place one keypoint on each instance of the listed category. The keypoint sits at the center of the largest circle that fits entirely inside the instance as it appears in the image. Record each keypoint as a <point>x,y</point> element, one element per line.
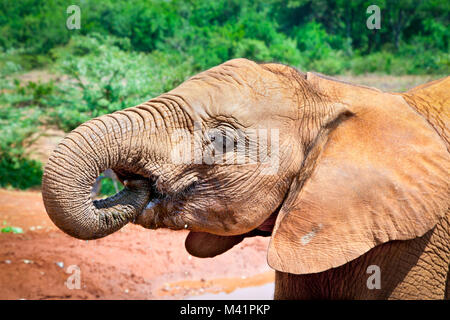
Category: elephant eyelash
<point>228,135</point>
<point>188,189</point>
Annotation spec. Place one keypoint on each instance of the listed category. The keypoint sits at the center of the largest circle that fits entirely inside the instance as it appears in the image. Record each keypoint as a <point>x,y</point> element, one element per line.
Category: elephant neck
<point>431,101</point>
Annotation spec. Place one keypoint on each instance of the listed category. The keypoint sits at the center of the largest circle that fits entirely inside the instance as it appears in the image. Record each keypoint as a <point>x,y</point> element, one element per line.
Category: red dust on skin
<point>133,263</point>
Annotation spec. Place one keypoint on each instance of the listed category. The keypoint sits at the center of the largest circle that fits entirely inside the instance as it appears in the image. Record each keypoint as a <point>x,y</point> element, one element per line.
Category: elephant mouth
<point>157,195</point>
<point>165,208</point>
<point>269,223</point>
<point>159,190</point>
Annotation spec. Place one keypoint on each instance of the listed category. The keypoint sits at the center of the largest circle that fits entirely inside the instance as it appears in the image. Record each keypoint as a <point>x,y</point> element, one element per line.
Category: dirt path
<point>133,263</point>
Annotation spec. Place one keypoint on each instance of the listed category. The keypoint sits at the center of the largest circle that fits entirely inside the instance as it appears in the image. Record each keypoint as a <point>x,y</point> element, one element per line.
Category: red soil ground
<point>133,263</point>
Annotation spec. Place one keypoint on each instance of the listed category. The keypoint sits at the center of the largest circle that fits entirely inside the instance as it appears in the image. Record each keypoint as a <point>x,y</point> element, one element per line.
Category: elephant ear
<point>381,175</point>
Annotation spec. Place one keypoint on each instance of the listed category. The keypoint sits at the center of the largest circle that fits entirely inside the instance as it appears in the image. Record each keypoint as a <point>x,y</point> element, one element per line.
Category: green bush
<point>32,93</point>
<point>284,50</point>
<point>313,41</point>
<point>18,128</point>
<point>334,63</point>
<point>104,77</point>
<point>376,62</point>
<point>108,187</point>
<point>253,49</point>
<point>19,172</point>
<point>8,67</point>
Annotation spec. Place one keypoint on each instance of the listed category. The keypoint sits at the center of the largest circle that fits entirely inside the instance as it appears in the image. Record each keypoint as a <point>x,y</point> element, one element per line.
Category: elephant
<point>350,183</point>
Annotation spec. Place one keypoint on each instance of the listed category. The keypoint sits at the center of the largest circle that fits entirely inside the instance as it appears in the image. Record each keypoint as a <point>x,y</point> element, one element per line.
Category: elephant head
<point>327,169</point>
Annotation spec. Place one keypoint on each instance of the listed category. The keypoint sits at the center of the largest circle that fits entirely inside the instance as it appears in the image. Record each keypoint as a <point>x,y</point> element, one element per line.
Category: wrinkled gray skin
<point>222,203</point>
<point>138,144</point>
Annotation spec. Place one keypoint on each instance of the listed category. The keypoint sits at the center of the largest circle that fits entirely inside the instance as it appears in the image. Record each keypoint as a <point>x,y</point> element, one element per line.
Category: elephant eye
<point>222,140</point>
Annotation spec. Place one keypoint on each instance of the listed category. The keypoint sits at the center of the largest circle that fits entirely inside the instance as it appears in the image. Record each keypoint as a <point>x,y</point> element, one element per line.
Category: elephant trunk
<point>119,141</point>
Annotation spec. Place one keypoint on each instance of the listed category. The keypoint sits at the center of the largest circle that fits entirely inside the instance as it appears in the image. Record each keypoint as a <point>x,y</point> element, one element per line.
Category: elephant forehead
<point>248,97</point>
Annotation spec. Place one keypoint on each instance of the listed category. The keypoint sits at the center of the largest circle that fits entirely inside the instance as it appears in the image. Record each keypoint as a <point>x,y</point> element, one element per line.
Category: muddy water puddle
<point>260,286</point>
<point>264,292</point>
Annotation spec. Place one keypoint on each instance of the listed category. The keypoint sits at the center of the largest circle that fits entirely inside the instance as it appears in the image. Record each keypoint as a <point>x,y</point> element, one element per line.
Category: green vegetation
<point>129,51</point>
<point>108,187</point>
<point>18,128</point>
<point>11,230</point>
